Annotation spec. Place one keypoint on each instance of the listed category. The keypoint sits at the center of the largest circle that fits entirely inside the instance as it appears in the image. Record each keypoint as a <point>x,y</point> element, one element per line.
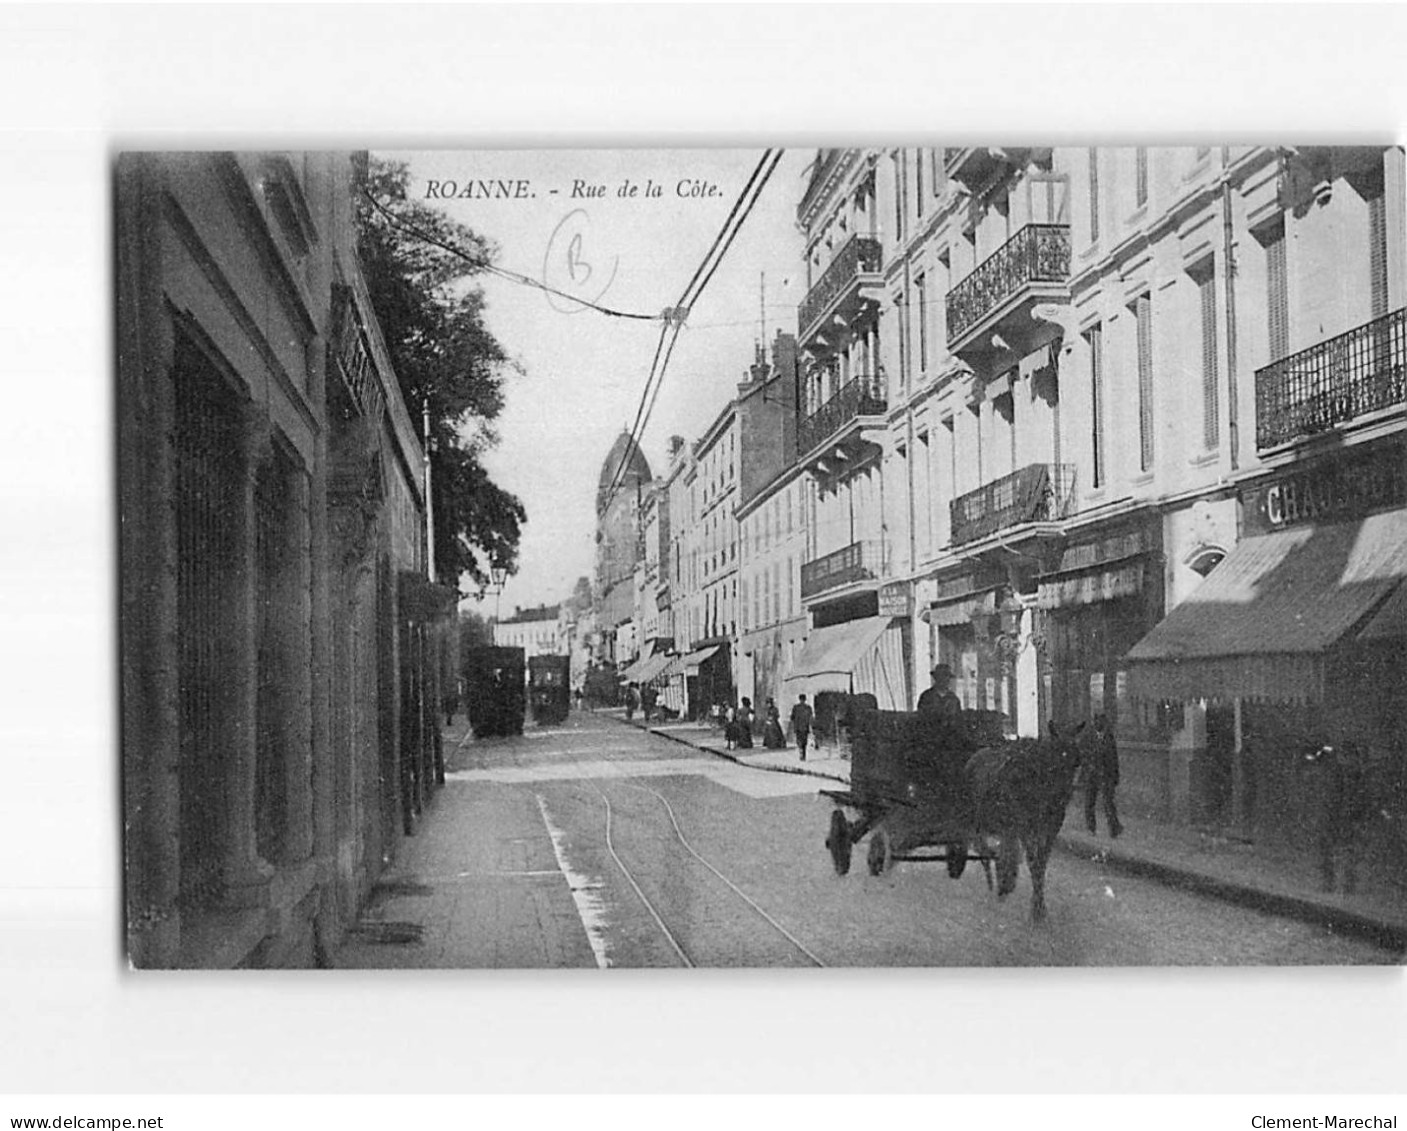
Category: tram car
<point>549,688</point>
<point>494,690</point>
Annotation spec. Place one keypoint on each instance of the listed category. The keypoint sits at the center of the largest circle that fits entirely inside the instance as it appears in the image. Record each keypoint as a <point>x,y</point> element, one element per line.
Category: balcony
<point>1000,295</point>
<point>860,397</point>
<point>1041,492</point>
<point>855,563</point>
<point>974,167</point>
<point>841,286</point>
<point>1332,383</point>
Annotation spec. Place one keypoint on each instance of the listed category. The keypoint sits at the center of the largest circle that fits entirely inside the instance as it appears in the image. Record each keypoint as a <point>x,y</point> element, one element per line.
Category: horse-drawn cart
<point>910,790</point>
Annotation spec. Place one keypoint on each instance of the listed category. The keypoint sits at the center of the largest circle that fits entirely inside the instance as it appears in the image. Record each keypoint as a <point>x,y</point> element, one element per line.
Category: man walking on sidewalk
<point>1101,772</point>
<point>801,724</point>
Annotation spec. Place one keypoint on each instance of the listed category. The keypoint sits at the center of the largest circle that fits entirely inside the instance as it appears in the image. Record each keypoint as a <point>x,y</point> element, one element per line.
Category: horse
<point>1020,792</point>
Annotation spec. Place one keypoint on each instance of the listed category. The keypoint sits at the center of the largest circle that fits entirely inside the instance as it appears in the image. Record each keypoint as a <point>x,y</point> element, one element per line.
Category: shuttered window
<point>1211,419</point>
<point>1140,176</point>
<point>1277,295</point>
<point>1143,310</point>
<point>1094,196</point>
<point>1094,338</point>
<point>1377,250</point>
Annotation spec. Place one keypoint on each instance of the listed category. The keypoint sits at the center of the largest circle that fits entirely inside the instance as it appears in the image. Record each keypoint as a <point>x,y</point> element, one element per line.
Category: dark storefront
<point>1293,641</point>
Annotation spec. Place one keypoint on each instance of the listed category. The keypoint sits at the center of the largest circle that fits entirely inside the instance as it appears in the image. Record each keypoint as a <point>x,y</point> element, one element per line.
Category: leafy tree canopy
<point>432,317</point>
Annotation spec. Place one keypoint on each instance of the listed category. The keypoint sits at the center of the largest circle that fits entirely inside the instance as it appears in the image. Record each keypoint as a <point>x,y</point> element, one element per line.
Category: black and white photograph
<point>894,556</point>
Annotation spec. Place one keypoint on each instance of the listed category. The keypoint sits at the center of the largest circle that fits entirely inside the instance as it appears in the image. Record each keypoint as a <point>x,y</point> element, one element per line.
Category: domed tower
<point>637,471</point>
<point>618,546</point>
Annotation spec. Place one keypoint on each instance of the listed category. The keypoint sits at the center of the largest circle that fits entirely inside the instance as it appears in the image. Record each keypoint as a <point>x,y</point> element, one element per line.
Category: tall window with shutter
<point>1277,294</point>
<point>1093,195</point>
<point>1094,340</point>
<point>1143,319</point>
<point>1211,418</point>
<point>921,294</point>
<point>1140,177</point>
<point>1377,248</point>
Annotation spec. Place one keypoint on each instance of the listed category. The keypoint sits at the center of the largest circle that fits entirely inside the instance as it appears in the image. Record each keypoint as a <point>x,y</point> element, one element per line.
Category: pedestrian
<point>648,696</point>
<point>1101,776</point>
<point>939,699</point>
<point>744,725</point>
<point>1345,805</point>
<point>772,736</point>
<point>801,718</point>
<point>631,701</point>
<point>730,726</point>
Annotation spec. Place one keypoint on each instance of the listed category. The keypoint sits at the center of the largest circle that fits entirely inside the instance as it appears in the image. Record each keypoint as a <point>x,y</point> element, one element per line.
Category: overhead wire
<point>727,234</point>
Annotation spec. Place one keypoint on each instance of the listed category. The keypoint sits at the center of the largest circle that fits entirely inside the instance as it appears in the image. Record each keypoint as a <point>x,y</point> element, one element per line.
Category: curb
<point>1353,923</point>
<point>727,756</point>
<point>1343,920</point>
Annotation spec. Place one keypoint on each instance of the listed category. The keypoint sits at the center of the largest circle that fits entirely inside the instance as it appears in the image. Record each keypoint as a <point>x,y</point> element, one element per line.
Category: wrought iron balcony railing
<point>859,255</point>
<point>1333,382</point>
<point>860,396</point>
<point>1040,492</point>
<point>859,561</point>
<point>1038,253</point>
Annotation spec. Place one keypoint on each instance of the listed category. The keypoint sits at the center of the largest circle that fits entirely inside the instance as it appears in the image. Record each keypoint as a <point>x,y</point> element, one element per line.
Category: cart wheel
<point>881,855</point>
<point>839,842</point>
<point>957,859</point>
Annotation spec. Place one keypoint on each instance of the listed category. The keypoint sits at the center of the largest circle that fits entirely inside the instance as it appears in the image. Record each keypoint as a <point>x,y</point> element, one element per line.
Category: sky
<point>583,372</point>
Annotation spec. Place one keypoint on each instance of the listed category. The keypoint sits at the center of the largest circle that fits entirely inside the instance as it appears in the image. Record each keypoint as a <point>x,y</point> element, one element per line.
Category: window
<point>898,197</point>
<point>1277,293</point>
<point>1143,318</point>
<point>1094,196</point>
<point>921,288</point>
<point>1094,339</point>
<point>1140,177</point>
<point>1377,247</point>
<point>918,187</point>
<point>1211,423</point>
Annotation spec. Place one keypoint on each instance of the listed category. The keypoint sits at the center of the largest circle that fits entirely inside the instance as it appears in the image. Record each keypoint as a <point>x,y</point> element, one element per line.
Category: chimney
<point>676,444</point>
<point>758,372</point>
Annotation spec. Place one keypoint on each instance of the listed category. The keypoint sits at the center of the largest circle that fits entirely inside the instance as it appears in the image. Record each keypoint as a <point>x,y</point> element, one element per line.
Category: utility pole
<point>429,501</point>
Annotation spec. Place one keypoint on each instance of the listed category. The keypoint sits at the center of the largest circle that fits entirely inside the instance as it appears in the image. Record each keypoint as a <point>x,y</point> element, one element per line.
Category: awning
<point>652,667</point>
<point>695,660</point>
<point>1260,624</point>
<point>1389,622</point>
<point>961,611</point>
<point>632,673</point>
<point>831,654</point>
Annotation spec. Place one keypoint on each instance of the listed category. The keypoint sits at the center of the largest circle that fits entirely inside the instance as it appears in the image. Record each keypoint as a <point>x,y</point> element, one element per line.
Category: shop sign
<point>966,584</point>
<point>1331,491</point>
<point>1111,549</point>
<point>895,600</point>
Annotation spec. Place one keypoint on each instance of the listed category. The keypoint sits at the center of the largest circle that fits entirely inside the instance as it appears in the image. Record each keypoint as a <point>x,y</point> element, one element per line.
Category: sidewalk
<point>1277,883</point>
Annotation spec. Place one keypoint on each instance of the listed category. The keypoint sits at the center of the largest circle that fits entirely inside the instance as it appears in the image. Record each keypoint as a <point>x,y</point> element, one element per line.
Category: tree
<point>444,354</point>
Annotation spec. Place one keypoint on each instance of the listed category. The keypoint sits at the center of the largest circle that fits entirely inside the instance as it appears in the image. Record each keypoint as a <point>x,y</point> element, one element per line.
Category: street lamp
<point>498,578</point>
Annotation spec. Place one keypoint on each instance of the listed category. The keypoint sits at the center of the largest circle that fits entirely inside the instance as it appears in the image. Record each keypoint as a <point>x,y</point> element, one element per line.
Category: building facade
<point>537,631</point>
<point>1046,393</point>
<point>279,696</point>
<point>625,479</point>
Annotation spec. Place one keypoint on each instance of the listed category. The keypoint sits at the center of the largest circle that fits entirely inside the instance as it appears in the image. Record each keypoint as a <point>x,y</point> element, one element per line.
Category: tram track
<point>627,840</point>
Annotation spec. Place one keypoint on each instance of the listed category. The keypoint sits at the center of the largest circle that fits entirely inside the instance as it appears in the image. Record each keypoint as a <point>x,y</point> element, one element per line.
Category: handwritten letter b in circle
<point>570,266</point>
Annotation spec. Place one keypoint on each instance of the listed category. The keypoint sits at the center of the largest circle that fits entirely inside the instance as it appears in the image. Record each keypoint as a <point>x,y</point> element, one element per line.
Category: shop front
<point>1293,641</point>
<point>1105,595</point>
<point>862,657</point>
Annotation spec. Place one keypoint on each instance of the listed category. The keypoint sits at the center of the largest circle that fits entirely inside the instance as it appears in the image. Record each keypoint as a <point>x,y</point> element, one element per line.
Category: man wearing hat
<point>939,699</point>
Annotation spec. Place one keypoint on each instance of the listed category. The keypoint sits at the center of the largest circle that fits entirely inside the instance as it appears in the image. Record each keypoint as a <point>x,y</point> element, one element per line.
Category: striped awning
<point>1262,623</point>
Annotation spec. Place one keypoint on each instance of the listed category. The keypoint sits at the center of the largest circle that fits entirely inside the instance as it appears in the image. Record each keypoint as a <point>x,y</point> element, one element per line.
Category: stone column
<point>297,671</point>
<point>147,549</point>
<point>246,875</point>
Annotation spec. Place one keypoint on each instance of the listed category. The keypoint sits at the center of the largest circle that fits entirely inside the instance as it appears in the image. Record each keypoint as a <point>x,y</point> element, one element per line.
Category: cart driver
<point>939,699</point>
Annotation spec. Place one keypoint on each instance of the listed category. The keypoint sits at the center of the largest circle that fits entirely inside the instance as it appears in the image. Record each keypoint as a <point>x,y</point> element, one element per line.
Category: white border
<point>74,83</point>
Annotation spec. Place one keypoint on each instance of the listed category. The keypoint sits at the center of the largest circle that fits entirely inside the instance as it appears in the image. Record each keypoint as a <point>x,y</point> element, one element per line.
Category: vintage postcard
<point>900,556</point>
